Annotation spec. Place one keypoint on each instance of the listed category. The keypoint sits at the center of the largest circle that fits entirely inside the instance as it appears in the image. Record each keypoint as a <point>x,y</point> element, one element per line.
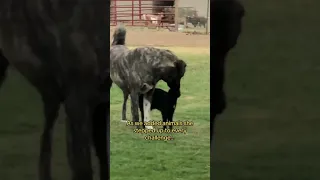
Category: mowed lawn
<point>187,157</point>
<point>271,129</point>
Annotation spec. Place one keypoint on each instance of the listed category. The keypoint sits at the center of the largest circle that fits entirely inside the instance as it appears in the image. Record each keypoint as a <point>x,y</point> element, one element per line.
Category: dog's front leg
<point>124,106</point>
<point>134,106</point>
<point>147,99</point>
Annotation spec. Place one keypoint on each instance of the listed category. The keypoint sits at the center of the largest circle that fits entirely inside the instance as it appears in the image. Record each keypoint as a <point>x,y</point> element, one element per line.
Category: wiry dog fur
<point>227,25</point>
<point>137,72</point>
<point>226,28</point>
<point>60,47</point>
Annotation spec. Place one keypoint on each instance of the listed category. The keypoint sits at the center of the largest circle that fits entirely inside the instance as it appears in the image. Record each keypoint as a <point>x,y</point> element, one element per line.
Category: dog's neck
<point>119,42</point>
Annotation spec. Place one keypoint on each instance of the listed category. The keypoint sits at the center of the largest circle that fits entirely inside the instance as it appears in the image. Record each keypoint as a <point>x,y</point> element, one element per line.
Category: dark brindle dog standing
<point>226,27</point>
<point>61,48</point>
<point>138,71</point>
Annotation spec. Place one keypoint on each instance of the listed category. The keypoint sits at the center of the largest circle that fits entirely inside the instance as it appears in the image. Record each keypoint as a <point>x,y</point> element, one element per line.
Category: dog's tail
<point>119,36</point>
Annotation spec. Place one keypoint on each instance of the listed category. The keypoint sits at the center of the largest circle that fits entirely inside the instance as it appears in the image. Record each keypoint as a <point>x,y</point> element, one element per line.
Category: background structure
<point>130,12</point>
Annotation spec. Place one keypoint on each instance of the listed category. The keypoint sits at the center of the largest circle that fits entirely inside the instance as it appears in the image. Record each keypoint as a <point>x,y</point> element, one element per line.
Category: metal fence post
<point>208,8</point>
<point>176,14</point>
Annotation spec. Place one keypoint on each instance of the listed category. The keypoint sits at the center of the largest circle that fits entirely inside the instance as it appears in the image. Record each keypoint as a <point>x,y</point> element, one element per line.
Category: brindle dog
<point>225,29</point>
<point>61,48</point>
<point>138,71</point>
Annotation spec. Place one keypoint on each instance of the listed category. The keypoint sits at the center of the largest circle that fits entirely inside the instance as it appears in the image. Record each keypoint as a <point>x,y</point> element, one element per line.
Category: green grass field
<point>185,157</point>
<point>270,130</point>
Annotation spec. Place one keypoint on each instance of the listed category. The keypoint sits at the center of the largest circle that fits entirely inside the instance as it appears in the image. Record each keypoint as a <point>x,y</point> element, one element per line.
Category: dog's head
<point>174,94</point>
<point>173,78</point>
<point>227,16</point>
<point>169,68</point>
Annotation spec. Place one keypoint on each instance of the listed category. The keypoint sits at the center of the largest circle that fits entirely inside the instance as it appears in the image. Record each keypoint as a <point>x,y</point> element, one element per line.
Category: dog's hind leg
<point>4,64</point>
<point>51,104</point>
<point>134,106</point>
<point>100,133</point>
<point>124,106</point>
<point>101,128</point>
<point>79,133</point>
<point>164,119</point>
<point>170,117</point>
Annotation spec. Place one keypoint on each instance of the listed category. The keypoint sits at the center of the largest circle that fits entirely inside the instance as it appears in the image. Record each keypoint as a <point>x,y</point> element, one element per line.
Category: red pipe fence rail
<point>131,11</point>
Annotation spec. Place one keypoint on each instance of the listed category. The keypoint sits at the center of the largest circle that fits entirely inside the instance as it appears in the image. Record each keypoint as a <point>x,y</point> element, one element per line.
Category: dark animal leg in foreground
<point>51,108</point>
<point>164,120</point>
<point>78,136</point>
<point>124,106</point>
<point>4,64</point>
<point>170,117</point>
<point>134,106</point>
<point>212,123</point>
<point>100,133</point>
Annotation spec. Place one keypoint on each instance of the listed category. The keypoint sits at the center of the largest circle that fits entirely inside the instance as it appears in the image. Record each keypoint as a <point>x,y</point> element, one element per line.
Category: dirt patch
<point>142,37</point>
<point>188,97</point>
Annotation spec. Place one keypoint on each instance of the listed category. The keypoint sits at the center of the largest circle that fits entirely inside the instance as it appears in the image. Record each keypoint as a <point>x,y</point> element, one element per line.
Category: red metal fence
<point>130,11</point>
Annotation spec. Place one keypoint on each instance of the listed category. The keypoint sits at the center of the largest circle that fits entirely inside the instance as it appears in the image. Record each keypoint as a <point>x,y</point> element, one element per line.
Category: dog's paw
<point>124,121</point>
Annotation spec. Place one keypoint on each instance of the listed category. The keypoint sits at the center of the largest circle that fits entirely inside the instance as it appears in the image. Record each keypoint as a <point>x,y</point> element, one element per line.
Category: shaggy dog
<point>226,28</point>
<point>138,71</point>
<point>61,48</point>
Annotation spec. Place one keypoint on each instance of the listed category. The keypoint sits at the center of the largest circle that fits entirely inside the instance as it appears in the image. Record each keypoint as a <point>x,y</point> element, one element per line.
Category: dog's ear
<point>145,88</point>
<point>181,67</point>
